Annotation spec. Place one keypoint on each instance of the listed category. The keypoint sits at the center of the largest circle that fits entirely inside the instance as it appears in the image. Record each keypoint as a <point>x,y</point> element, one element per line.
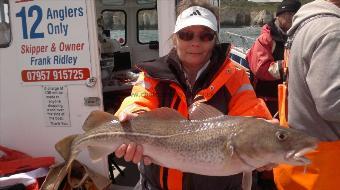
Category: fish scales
<point>202,141</point>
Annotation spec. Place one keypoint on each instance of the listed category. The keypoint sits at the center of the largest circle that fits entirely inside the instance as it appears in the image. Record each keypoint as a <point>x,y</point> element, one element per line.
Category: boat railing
<point>240,45</point>
<point>242,42</point>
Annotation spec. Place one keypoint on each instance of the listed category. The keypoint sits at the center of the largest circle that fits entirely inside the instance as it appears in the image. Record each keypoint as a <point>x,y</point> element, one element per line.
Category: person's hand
<point>125,116</point>
<point>132,151</point>
<point>267,167</point>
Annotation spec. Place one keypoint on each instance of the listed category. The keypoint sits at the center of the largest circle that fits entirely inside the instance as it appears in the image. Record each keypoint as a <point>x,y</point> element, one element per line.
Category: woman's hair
<point>184,4</point>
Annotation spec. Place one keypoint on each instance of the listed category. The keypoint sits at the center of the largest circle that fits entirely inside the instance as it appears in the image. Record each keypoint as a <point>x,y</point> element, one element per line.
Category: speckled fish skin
<point>218,146</point>
<point>210,143</point>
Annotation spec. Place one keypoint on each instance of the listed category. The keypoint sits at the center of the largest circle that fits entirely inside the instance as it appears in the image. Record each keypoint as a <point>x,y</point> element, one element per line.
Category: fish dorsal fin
<point>201,111</point>
<point>162,113</point>
<point>64,146</point>
<point>96,118</point>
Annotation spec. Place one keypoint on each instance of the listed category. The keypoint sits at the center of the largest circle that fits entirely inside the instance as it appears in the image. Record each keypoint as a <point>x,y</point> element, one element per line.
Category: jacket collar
<point>168,68</point>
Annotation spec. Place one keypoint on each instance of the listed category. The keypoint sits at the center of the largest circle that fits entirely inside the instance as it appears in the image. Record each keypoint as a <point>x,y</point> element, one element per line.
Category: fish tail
<point>54,178</point>
<point>57,173</point>
<point>64,146</point>
<point>60,177</point>
<point>64,172</point>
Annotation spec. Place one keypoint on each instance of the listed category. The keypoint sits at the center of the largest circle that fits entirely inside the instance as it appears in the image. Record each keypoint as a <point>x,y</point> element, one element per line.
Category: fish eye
<point>281,135</point>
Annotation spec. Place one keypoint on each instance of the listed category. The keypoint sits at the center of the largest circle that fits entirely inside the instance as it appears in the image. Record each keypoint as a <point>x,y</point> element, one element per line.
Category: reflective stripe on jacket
<point>228,90</point>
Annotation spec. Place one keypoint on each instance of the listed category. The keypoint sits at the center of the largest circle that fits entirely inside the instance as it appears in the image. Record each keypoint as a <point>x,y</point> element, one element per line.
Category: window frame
<point>114,3</point>
<point>137,26</point>
<point>9,24</point>
<point>125,23</point>
<point>149,3</point>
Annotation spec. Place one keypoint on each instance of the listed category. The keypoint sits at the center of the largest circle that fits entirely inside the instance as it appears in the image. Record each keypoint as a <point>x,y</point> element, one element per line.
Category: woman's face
<point>194,45</point>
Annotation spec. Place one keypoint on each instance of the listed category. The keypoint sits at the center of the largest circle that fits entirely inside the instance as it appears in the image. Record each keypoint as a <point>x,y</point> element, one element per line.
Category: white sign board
<point>56,106</point>
<point>53,45</point>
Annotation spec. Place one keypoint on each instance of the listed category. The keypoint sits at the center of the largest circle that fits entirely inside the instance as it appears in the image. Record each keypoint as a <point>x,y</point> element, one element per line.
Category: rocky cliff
<point>228,17</point>
<point>232,13</point>
<point>237,17</point>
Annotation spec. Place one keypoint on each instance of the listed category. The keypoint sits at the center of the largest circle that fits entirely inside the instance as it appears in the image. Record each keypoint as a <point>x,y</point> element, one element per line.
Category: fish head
<point>293,145</point>
<point>259,143</point>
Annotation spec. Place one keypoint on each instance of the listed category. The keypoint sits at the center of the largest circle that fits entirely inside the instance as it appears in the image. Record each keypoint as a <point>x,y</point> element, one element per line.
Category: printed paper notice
<point>56,106</point>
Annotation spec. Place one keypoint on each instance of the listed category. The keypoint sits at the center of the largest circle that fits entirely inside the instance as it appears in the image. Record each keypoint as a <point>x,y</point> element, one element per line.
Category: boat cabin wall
<point>49,66</point>
<point>128,31</point>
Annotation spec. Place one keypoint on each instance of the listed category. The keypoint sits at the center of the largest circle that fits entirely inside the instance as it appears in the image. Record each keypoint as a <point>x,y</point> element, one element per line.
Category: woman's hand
<point>132,151</point>
<point>125,116</point>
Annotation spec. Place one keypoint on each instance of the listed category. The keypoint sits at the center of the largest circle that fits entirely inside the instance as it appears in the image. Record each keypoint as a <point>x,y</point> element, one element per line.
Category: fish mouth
<point>296,157</point>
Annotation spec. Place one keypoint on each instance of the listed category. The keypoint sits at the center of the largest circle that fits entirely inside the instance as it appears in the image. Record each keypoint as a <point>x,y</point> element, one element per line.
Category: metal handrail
<point>241,36</point>
<point>245,40</point>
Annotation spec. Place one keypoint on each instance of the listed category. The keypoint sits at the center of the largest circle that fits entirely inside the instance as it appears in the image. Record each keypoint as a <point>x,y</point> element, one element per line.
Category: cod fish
<point>210,143</point>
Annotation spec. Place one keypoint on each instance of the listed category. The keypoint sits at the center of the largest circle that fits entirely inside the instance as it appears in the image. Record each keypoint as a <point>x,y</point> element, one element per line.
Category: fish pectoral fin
<point>97,152</point>
<point>247,180</point>
<point>97,118</point>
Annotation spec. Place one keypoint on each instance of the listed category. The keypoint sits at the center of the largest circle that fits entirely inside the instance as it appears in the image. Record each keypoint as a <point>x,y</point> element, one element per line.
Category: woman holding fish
<point>197,69</point>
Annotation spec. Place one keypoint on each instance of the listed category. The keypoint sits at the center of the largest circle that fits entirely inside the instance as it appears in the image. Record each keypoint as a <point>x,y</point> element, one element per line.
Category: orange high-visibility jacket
<point>321,174</point>
<point>223,86</point>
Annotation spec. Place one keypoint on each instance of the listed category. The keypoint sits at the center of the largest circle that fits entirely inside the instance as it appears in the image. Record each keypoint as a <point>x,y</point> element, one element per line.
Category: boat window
<point>146,2</point>
<point>113,2</point>
<point>114,25</point>
<point>5,29</point>
<point>147,27</point>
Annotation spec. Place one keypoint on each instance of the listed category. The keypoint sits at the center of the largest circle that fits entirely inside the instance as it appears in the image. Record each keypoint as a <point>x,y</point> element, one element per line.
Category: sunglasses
<point>203,36</point>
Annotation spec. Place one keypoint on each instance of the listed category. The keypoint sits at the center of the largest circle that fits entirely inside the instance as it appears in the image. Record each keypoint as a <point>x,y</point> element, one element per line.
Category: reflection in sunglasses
<point>188,36</point>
